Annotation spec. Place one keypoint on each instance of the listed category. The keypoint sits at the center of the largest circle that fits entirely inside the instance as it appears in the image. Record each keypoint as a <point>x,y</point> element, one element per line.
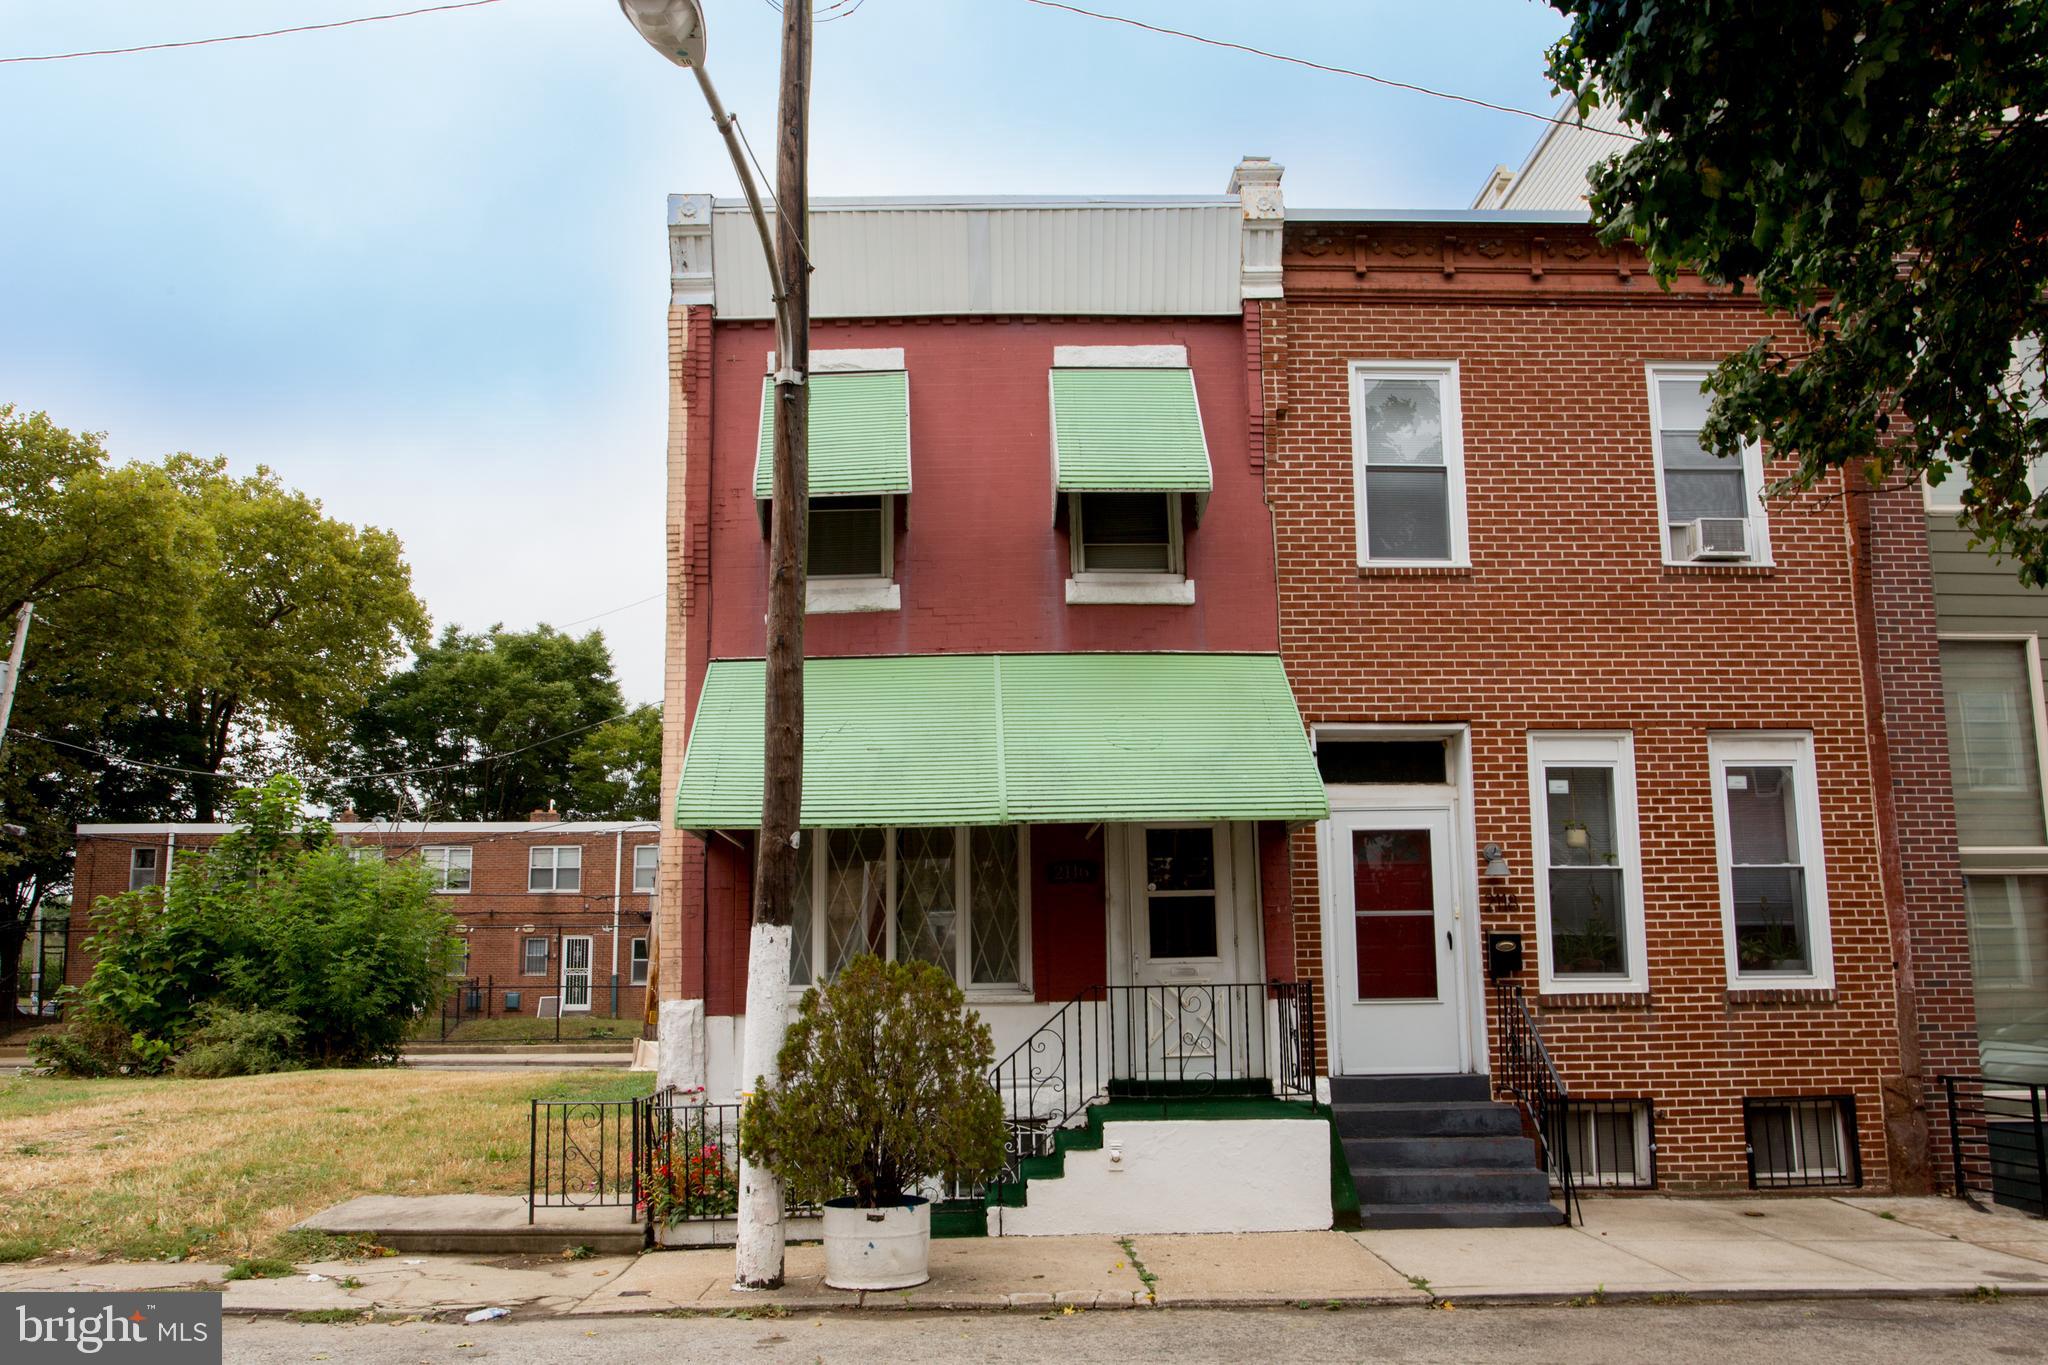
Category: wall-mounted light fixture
<point>1496,861</point>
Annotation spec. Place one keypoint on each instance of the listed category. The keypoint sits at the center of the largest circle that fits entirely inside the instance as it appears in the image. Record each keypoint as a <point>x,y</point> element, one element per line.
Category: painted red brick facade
<point>1568,620</point>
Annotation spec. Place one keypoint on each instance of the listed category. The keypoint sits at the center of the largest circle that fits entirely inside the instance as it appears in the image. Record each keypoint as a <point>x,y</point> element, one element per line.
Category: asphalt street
<point>1865,1330</point>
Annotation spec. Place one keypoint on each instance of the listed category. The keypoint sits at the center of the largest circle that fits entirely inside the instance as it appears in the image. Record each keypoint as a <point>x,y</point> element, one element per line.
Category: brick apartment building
<point>556,914</point>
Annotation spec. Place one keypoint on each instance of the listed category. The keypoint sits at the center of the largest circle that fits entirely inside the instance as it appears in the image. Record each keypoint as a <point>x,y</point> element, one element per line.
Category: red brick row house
<point>556,915</point>
<point>1235,631</point>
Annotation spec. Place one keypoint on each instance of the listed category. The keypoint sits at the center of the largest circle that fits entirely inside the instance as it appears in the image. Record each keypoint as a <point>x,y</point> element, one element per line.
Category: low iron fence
<point>691,1167</point>
<point>1190,1040</point>
<point>1998,1140</point>
<point>584,1154</point>
<point>484,1009</point>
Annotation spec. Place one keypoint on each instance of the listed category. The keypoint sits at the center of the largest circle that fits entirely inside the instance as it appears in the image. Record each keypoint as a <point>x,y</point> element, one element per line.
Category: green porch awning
<point>860,435</point>
<point>1131,430</point>
<point>991,739</point>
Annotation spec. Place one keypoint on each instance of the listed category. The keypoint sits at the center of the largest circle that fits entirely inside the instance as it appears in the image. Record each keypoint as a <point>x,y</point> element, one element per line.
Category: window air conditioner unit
<point>1717,538</point>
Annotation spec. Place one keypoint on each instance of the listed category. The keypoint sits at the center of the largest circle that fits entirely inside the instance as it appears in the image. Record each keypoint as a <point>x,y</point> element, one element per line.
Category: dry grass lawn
<point>146,1169</point>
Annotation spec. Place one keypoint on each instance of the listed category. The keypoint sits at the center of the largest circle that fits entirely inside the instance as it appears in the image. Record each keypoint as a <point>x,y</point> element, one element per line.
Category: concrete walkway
<point>1650,1247</point>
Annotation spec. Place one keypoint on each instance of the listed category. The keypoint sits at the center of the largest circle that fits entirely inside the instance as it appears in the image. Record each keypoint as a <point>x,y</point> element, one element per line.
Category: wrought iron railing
<point>1529,1078</point>
<point>583,1154</point>
<point>1191,1040</point>
<point>690,1153</point>
<point>1998,1140</point>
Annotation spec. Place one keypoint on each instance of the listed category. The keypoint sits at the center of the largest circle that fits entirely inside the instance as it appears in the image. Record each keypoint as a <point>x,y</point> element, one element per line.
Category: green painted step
<point>959,1218</point>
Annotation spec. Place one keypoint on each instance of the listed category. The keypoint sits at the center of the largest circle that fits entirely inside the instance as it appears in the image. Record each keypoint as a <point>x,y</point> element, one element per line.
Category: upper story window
<point>1712,505</point>
<point>1992,691</point>
<point>143,868</point>
<point>859,466</point>
<point>448,867</point>
<point>1130,463</point>
<point>554,867</point>
<point>646,864</point>
<point>1774,900</point>
<point>1408,464</point>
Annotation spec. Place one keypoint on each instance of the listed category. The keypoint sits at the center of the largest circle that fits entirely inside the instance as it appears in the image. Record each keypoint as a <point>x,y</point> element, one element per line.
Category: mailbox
<point>1503,955</point>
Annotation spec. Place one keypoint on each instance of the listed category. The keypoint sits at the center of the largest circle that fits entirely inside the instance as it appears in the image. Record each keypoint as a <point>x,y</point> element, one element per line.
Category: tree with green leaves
<point>1877,171</point>
<point>498,724</point>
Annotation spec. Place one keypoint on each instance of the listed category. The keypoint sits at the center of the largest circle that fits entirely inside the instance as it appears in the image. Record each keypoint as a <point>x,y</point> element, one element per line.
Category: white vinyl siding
<point>1408,464</point>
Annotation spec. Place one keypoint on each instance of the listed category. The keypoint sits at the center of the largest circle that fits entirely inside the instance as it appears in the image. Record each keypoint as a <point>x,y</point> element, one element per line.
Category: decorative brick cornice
<point>1325,260</point>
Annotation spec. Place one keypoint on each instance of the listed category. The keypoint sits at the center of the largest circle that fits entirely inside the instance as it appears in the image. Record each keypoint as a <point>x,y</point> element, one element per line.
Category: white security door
<point>1392,955</point>
<point>1176,1020</point>
<point>575,975</point>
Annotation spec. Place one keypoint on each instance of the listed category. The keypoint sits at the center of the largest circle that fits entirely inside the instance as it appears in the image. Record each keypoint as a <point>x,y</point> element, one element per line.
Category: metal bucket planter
<point>885,1248</point>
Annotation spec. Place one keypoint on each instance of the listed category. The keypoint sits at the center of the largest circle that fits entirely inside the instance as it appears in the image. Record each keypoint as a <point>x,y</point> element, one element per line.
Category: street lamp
<point>675,29</point>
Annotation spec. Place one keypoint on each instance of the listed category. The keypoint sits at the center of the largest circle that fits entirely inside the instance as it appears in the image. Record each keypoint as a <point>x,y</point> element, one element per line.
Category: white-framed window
<point>646,866</point>
<point>636,963</point>
<point>1802,1141</point>
<point>1610,1144</point>
<point>533,956</point>
<point>448,866</point>
<point>954,896</point>
<point>1589,890</point>
<point>1408,463</point>
<point>460,968</point>
<point>366,853</point>
<point>144,869</point>
<point>1774,897</point>
<point>2008,917</point>
<point>1992,693</point>
<point>554,867</point>
<point>1710,506</point>
<point>852,537</point>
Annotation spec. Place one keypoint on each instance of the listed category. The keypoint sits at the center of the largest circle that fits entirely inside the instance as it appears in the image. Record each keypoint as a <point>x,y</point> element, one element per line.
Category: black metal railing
<point>583,1154</point>
<point>690,1172</point>
<point>1192,1040</point>
<point>1998,1140</point>
<point>1527,1076</point>
<point>486,1010</point>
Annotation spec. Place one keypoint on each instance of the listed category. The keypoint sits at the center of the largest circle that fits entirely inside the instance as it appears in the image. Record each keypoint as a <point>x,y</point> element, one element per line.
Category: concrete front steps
<point>1438,1152</point>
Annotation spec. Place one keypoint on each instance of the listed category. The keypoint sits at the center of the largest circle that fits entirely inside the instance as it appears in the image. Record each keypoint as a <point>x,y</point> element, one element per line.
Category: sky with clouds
<point>419,267</point>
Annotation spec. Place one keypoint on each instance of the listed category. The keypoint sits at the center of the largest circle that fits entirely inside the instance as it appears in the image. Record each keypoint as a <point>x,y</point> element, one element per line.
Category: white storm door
<point>576,975</point>
<point>1390,891</point>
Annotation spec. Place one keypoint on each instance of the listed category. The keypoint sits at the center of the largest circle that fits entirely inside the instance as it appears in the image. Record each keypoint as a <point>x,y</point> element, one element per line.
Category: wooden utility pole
<point>758,1255</point>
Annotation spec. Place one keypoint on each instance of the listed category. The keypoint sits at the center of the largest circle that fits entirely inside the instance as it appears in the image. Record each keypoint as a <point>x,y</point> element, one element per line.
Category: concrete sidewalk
<point>1701,1249</point>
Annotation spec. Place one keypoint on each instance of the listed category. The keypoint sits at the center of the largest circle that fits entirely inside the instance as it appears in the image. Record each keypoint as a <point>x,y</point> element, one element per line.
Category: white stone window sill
<point>1147,590</point>
<point>827,596</point>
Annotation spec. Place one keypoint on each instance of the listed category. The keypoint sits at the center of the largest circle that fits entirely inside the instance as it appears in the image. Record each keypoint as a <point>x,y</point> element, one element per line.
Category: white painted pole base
<point>758,1248</point>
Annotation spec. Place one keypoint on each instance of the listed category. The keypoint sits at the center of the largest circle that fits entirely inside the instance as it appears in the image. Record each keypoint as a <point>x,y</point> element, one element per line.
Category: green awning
<point>991,739</point>
<point>860,435</point>
<point>1127,431</point>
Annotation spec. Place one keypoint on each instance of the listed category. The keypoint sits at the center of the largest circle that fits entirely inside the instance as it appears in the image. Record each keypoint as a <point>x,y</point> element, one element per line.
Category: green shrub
<point>274,918</point>
<point>884,1087</point>
<point>239,1042</point>
<point>90,1044</point>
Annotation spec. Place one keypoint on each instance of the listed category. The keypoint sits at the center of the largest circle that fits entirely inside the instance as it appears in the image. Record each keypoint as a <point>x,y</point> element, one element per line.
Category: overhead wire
<point>245,37</point>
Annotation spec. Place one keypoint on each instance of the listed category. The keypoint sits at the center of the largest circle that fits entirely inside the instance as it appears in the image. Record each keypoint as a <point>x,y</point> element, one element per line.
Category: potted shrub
<point>884,1089</point>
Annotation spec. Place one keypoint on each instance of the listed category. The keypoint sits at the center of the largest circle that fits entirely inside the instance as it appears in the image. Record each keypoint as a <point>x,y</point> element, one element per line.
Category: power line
<point>245,37</point>
<point>125,761</point>
<point>611,611</point>
<point>1332,70</point>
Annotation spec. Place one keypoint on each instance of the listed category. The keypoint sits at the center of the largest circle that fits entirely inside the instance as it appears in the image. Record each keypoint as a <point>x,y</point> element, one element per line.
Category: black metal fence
<point>1998,1140</point>
<point>1529,1078</point>
<point>39,985</point>
<point>1611,1143</point>
<point>1193,1040</point>
<point>483,1009</point>
<point>691,1167</point>
<point>584,1154</point>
